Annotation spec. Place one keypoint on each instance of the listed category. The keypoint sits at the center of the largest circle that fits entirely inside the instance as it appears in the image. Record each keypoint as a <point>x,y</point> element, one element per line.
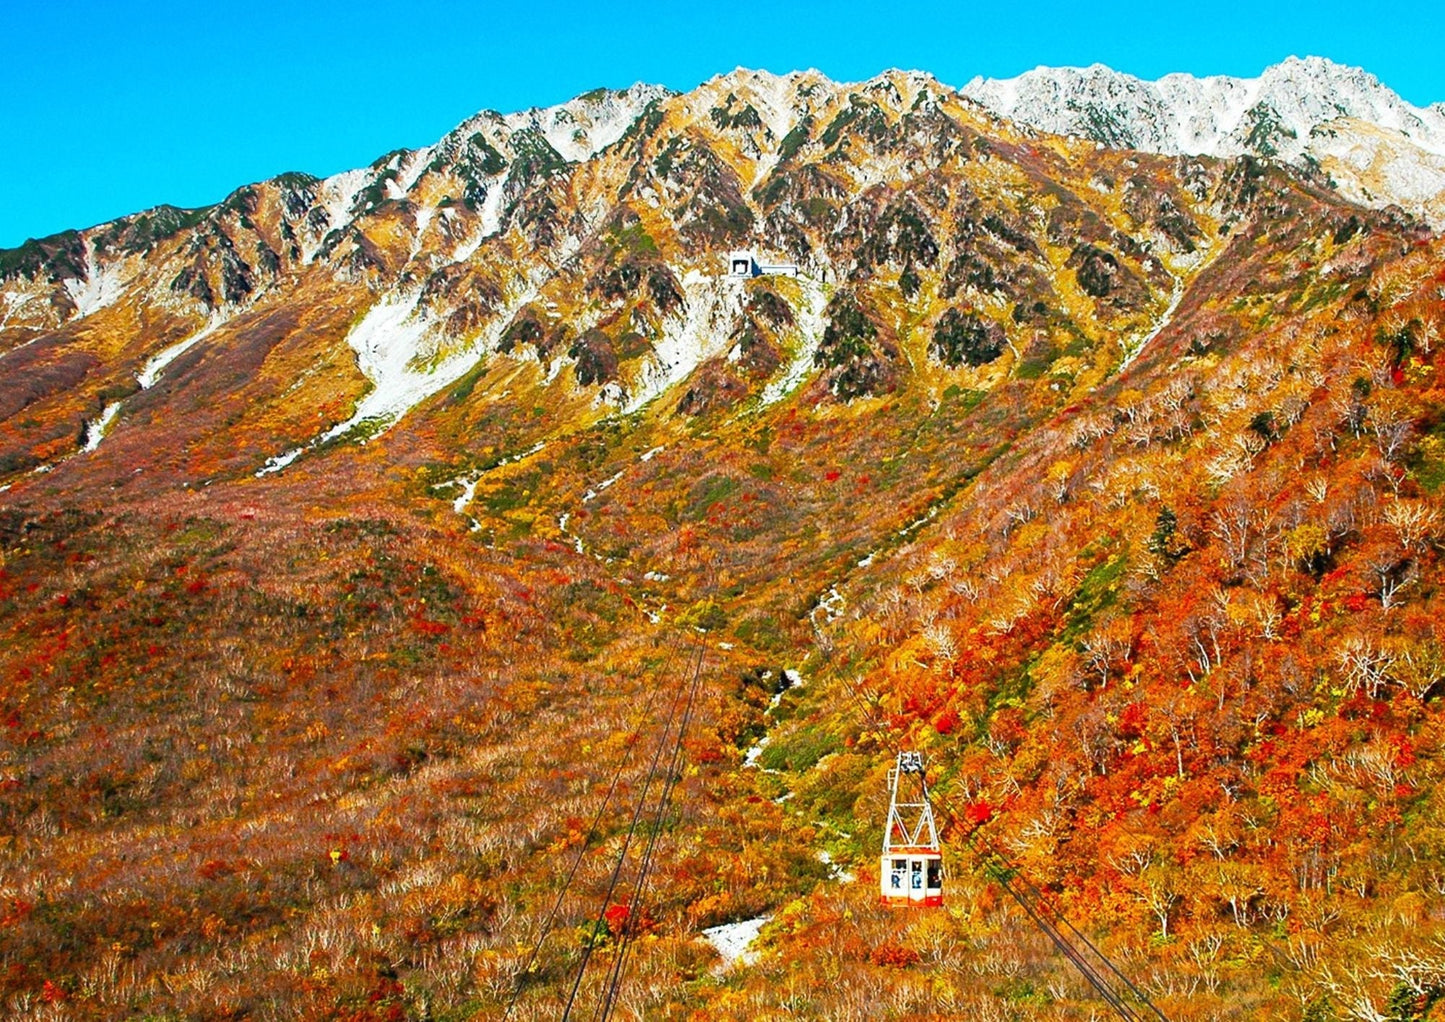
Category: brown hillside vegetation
<point>1109,481</point>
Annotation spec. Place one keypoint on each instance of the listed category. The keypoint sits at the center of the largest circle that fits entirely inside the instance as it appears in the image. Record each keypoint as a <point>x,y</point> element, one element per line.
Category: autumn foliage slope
<point>1109,481</point>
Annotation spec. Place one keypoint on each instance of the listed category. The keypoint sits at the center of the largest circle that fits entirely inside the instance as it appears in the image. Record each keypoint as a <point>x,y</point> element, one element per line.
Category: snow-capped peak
<point>1376,148</point>
<point>1272,115</point>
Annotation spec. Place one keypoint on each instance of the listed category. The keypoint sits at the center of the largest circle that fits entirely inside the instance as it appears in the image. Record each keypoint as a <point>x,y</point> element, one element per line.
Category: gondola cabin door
<point>911,869</point>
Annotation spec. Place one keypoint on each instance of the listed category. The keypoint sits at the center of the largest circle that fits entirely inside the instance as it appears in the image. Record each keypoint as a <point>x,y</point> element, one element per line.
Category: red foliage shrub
<point>978,812</point>
<point>431,629</point>
<point>213,868</point>
<point>1132,720</point>
<point>616,918</point>
<point>16,912</point>
<point>893,955</point>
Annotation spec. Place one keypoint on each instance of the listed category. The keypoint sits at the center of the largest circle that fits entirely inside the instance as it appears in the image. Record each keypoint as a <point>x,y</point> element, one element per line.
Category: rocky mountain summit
<point>1339,121</point>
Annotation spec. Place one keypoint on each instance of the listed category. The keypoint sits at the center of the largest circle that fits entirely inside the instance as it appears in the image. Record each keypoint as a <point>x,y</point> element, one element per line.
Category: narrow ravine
<point>811,324</point>
<point>1159,327</point>
<point>97,429</point>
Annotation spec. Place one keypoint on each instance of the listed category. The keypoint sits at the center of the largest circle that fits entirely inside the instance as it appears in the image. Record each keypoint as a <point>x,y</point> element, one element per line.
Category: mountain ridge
<point>1000,96</point>
<point>1281,113</point>
<point>1317,87</point>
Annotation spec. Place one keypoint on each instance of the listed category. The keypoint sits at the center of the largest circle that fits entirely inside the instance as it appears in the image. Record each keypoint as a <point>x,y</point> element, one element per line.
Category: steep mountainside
<point>1319,115</point>
<point>436,590</point>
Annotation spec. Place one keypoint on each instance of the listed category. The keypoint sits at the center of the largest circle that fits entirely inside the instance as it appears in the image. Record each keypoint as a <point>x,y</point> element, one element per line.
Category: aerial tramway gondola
<point>911,869</point>
<point>911,873</point>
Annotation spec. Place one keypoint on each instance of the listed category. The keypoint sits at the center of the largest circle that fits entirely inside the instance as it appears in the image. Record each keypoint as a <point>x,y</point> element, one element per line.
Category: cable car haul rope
<point>910,872</point>
<point>664,771</point>
<point>911,851</point>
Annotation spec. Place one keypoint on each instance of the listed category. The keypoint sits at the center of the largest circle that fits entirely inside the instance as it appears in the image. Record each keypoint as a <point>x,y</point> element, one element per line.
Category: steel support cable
<point>1042,903</point>
<point>1041,899</point>
<point>999,869</point>
<point>587,840</point>
<point>1090,973</point>
<point>869,713</point>
<point>1036,909</point>
<point>626,843</point>
<point>644,867</point>
<point>670,782</point>
<point>1000,874</point>
<point>1108,963</point>
<point>1086,969</point>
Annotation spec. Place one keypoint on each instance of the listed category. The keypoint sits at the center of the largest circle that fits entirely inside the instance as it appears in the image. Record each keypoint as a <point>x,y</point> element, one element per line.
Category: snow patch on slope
<point>469,491</point>
<point>1159,327</point>
<point>601,487</point>
<point>153,368</point>
<point>98,429</point>
<point>389,338</point>
<point>101,286</point>
<point>396,348</point>
<point>95,431</point>
<point>734,941</point>
<point>755,752</point>
<point>702,334</point>
<point>277,462</point>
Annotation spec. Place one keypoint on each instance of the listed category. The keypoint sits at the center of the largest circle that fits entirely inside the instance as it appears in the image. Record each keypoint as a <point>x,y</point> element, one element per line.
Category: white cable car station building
<point>742,263</point>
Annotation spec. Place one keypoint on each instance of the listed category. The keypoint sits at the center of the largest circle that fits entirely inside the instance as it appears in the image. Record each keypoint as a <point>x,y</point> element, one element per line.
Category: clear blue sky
<point>111,106</point>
